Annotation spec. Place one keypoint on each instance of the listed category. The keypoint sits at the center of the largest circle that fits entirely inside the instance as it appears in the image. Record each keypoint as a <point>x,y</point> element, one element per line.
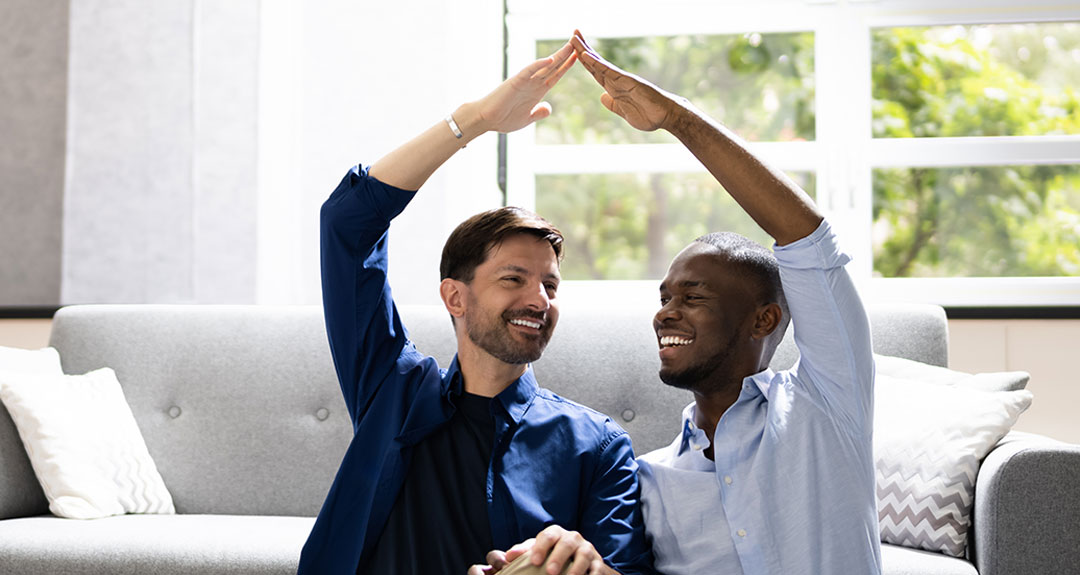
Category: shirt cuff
<point>819,250</point>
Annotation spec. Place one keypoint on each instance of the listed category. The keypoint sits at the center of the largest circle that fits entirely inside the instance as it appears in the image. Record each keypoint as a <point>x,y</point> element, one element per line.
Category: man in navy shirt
<point>447,463</point>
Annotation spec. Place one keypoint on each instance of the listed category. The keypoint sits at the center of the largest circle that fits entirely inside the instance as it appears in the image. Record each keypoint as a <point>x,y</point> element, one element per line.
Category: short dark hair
<point>757,264</point>
<point>469,244</point>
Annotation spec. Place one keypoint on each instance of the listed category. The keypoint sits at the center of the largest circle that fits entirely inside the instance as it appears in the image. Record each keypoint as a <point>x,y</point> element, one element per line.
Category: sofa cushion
<point>928,442</point>
<point>903,561</point>
<point>83,442</point>
<point>158,544</point>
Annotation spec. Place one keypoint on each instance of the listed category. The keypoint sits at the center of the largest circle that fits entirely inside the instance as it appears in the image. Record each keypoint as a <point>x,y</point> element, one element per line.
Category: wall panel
<point>33,96</point>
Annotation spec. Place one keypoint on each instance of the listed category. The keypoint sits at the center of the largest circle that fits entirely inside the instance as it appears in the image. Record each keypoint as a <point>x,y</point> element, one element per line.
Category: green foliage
<point>978,222</point>
<point>977,81</point>
<point>630,226</point>
<point>760,85</point>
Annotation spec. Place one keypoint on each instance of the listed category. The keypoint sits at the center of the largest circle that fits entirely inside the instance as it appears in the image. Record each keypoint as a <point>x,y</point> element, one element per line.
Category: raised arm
<point>776,203</point>
<point>516,103</point>
<point>833,332</point>
<point>361,321</point>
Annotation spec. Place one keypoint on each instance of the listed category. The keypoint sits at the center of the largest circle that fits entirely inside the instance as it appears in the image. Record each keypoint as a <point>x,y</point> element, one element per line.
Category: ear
<point>452,293</point>
<point>766,319</point>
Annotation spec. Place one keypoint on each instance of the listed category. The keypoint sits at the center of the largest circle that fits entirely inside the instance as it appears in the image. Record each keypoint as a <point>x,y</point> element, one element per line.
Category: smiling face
<point>512,308</point>
<point>706,323</point>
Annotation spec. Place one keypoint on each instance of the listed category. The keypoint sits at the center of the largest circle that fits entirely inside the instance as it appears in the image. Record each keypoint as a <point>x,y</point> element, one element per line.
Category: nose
<point>538,299</point>
<point>667,312</point>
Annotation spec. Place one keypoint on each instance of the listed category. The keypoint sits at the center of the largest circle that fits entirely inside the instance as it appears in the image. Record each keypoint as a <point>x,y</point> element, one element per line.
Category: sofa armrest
<point>1027,507</point>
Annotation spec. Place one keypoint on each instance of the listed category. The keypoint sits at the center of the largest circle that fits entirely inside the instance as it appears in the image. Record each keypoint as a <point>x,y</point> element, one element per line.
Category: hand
<point>497,559</point>
<point>639,102</point>
<point>557,546</point>
<point>516,103</point>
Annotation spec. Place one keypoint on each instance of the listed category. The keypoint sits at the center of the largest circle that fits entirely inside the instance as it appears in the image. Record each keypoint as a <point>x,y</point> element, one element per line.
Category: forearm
<point>775,202</point>
<point>511,106</point>
<point>411,164</point>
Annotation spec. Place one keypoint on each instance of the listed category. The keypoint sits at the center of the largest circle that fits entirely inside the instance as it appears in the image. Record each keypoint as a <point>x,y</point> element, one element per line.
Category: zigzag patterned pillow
<point>84,444</point>
<point>929,440</point>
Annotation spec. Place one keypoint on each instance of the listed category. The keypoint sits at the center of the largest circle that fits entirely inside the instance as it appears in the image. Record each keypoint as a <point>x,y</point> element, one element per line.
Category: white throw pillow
<point>929,440</point>
<point>908,369</point>
<point>84,444</point>
<point>45,361</point>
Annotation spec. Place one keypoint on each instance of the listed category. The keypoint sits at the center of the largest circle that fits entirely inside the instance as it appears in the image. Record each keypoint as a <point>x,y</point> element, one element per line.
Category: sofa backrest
<point>241,410</point>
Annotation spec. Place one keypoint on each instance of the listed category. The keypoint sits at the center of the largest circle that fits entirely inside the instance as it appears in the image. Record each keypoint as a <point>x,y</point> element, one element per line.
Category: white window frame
<point>843,154</point>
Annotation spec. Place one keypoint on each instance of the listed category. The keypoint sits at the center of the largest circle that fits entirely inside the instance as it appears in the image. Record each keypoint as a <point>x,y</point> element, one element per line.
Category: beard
<point>492,334</point>
<point>704,375</point>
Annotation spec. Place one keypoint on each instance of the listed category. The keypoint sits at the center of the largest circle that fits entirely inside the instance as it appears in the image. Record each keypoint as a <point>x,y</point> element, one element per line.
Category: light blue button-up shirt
<point>791,487</point>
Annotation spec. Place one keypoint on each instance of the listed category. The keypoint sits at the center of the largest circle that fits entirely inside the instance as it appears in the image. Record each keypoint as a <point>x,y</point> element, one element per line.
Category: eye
<point>551,287</point>
<point>512,279</point>
<point>664,300</point>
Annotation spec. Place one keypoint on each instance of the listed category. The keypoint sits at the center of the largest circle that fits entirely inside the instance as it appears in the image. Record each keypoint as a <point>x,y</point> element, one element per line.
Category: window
<point>976,82</point>
<point>943,144</point>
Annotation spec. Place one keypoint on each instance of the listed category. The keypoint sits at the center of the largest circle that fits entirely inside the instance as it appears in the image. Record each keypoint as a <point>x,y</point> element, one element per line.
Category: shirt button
<point>697,448</point>
<point>741,533</point>
<point>727,479</point>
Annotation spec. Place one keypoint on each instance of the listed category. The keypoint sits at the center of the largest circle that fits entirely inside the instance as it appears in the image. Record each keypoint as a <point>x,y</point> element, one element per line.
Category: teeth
<point>670,340</point>
<point>526,323</point>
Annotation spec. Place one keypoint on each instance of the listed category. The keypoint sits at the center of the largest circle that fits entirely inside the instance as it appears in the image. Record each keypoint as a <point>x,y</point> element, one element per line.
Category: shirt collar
<point>452,383</point>
<point>694,437</point>
<point>515,399</point>
<point>762,380</point>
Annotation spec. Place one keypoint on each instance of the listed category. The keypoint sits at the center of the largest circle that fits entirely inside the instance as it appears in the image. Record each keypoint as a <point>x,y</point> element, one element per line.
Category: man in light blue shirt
<point>772,472</point>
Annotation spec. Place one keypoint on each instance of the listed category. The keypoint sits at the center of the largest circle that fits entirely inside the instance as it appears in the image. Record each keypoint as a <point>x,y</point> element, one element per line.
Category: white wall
<point>203,137</point>
<point>345,83</point>
<point>1043,348</point>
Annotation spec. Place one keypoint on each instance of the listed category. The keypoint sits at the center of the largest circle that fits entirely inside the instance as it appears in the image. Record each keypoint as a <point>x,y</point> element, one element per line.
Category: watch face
<point>521,566</point>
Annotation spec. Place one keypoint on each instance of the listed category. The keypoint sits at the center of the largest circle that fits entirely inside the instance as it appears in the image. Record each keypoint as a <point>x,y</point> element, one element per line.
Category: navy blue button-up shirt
<point>554,461</point>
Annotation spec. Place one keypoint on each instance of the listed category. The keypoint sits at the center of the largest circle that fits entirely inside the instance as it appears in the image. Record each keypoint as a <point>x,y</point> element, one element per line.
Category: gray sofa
<point>240,408</point>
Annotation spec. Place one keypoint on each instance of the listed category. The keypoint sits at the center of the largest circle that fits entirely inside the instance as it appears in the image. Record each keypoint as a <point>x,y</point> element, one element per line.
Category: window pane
<point>629,226</point>
<point>977,222</point>
<point>760,85</point>
<point>991,80</point>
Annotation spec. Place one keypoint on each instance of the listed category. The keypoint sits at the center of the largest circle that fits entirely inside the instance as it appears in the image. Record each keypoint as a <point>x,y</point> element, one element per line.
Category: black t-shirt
<point>439,523</point>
